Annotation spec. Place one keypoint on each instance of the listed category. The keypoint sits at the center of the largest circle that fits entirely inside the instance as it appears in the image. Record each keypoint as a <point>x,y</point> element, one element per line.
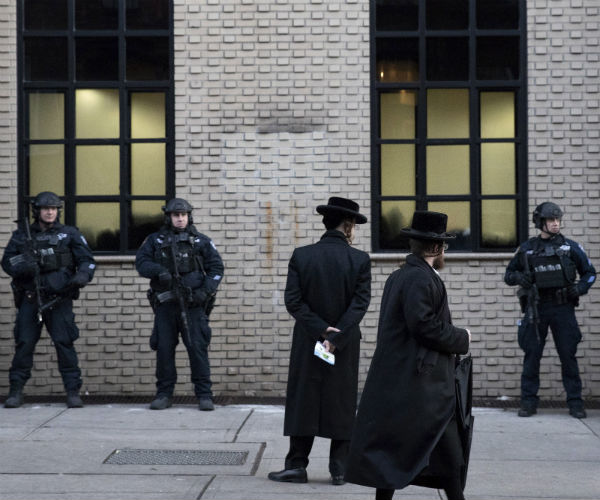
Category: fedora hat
<point>428,226</point>
<point>343,207</point>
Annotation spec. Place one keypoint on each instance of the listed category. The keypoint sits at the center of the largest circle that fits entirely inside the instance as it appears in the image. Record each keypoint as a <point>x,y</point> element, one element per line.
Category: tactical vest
<point>186,257</point>
<point>53,250</point>
<point>552,267</point>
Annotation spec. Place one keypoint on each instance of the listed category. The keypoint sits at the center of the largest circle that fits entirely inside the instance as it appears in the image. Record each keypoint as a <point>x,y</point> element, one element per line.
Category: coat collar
<point>334,236</point>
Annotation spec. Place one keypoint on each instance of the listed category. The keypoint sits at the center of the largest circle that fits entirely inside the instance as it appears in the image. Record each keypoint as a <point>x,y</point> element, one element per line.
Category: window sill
<point>449,256</point>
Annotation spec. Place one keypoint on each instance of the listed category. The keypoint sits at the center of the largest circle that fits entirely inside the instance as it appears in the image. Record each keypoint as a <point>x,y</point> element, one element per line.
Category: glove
<point>199,297</point>
<point>523,280</point>
<point>165,279</point>
<point>572,292</point>
<point>24,265</point>
<point>80,279</point>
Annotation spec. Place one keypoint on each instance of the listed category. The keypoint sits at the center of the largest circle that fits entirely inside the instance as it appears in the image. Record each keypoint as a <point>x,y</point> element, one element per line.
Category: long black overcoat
<point>409,396</point>
<point>328,284</point>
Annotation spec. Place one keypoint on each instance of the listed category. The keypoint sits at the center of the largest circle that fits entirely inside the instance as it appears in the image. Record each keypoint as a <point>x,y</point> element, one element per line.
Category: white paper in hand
<point>321,352</point>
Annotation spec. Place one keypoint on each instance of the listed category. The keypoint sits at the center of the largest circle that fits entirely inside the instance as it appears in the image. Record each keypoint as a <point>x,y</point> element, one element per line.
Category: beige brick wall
<point>272,117</point>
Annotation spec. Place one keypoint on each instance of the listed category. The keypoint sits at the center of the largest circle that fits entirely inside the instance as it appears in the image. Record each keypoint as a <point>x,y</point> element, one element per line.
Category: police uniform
<point>201,270</point>
<point>64,264</point>
<point>552,264</point>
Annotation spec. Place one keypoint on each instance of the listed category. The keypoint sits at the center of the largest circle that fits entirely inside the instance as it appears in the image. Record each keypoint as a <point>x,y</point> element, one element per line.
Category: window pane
<point>148,14</point>
<point>99,223</point>
<point>448,59</point>
<point>45,14</point>
<point>398,170</point>
<point>46,115</point>
<point>497,115</point>
<point>498,168</point>
<point>498,58</point>
<point>459,221</point>
<point>46,168</point>
<point>397,60</point>
<point>147,115</point>
<point>96,114</point>
<point>148,169</point>
<point>447,15</point>
<point>96,59</point>
<point>97,170</point>
<point>497,14</point>
<point>96,15</point>
<point>499,223</point>
<point>397,112</point>
<point>45,59</point>
<point>146,218</point>
<point>147,58</point>
<point>396,15</point>
<point>447,113</point>
<point>395,215</point>
<point>448,170</point>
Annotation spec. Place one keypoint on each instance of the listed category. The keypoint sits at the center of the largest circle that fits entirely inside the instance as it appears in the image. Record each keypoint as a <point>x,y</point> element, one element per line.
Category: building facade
<point>265,109</point>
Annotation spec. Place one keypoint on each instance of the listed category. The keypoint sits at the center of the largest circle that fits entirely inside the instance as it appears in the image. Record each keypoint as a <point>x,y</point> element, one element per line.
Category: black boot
<point>15,397</point>
<point>74,400</point>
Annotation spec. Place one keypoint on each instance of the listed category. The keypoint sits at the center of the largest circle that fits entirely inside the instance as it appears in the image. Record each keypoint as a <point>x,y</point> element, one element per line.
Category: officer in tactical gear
<point>48,262</point>
<point>185,270</point>
<point>546,269</point>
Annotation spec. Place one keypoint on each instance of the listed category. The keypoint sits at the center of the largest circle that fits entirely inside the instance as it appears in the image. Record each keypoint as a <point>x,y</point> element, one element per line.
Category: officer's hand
<point>165,279</point>
<point>523,280</point>
<point>572,292</point>
<point>80,279</point>
<point>199,297</point>
<point>27,267</point>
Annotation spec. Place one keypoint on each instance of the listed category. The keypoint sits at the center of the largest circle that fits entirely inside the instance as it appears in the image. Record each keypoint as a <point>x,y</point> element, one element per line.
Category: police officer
<point>546,268</point>
<point>185,270</point>
<point>49,262</point>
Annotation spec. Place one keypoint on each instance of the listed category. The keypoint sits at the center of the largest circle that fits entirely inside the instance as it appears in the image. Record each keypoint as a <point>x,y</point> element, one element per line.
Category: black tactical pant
<point>566,334</point>
<point>60,323</point>
<point>168,325</point>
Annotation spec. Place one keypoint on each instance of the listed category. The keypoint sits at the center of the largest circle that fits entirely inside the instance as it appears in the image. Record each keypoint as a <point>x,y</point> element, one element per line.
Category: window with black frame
<point>449,119</point>
<point>96,113</point>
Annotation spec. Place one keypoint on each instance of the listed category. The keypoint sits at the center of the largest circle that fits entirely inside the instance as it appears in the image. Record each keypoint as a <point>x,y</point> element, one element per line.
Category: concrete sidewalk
<point>125,452</point>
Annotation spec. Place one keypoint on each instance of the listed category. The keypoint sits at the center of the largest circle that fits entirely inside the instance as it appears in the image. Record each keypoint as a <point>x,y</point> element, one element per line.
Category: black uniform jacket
<point>55,280</point>
<point>149,260</point>
<point>408,398</point>
<point>328,284</point>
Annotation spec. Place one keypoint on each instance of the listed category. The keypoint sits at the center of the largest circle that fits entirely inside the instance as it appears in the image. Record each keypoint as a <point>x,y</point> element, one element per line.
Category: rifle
<point>533,298</point>
<point>181,293</point>
<point>36,277</point>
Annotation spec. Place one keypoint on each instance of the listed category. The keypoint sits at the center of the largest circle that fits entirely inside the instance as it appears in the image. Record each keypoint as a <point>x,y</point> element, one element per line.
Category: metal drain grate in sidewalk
<point>176,457</point>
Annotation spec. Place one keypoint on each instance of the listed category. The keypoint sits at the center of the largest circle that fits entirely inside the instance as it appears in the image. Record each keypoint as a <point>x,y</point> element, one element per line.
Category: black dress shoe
<point>289,476</point>
<point>337,480</point>
<point>527,411</point>
<point>577,412</point>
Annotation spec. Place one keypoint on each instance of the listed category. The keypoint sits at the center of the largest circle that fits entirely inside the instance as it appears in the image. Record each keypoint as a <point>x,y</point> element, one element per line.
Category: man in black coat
<point>328,292</point>
<point>406,430</point>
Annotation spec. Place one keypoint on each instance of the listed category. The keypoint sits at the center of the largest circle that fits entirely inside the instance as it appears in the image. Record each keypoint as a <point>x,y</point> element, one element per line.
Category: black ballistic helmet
<point>546,210</point>
<point>45,199</point>
<point>177,205</point>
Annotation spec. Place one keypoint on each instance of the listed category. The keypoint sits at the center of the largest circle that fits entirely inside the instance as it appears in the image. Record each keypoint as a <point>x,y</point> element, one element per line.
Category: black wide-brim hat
<point>343,207</point>
<point>428,226</point>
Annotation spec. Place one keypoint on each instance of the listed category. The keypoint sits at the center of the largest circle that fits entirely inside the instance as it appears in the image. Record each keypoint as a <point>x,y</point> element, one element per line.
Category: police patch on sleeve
<point>212,244</point>
<point>83,239</point>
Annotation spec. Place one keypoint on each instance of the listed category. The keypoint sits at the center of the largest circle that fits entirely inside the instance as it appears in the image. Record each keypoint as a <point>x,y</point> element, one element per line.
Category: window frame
<point>124,141</point>
<point>475,87</point>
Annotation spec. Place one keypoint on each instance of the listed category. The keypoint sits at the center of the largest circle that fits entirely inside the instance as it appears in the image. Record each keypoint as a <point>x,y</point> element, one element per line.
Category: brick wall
<point>272,117</point>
